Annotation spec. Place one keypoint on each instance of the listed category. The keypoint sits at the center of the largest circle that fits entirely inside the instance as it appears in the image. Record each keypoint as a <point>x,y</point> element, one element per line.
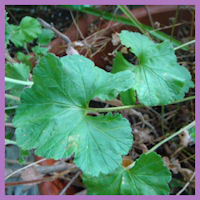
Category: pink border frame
<point>98,2</point>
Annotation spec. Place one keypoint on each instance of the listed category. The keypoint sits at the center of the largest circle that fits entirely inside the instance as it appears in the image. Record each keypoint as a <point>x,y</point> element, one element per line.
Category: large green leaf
<point>39,51</point>
<point>147,177</point>
<point>53,116</point>
<point>158,79</point>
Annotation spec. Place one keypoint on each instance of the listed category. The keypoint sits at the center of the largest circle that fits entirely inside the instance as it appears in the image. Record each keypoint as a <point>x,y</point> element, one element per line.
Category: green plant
<point>28,30</point>
<point>55,118</point>
<point>158,78</point>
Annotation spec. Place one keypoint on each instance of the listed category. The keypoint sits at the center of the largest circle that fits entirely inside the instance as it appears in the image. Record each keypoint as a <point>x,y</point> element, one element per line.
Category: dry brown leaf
<point>124,50</point>
<point>187,173</point>
<point>78,43</point>
<point>172,164</point>
<point>185,138</point>
<point>142,135</point>
<point>115,39</point>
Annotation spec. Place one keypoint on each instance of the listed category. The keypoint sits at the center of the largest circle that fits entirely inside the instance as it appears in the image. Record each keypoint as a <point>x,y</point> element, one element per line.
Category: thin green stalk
<point>185,99</point>
<point>164,141</point>
<point>11,107</point>
<point>174,21</point>
<point>134,20</point>
<point>9,96</point>
<point>113,108</point>
<point>131,106</point>
<point>7,141</point>
<point>192,124</point>
<point>10,80</point>
<point>162,118</point>
<point>183,45</point>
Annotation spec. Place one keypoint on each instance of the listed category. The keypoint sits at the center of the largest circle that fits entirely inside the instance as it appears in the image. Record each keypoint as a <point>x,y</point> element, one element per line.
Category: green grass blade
<point>109,16</point>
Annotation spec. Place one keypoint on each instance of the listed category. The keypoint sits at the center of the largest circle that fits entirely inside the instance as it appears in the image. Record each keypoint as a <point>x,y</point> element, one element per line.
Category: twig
<point>69,184</point>
<point>163,119</point>
<point>188,158</point>
<point>76,25</point>
<point>192,24</point>
<point>144,121</point>
<point>8,57</point>
<point>149,15</point>
<point>58,167</point>
<point>58,33</point>
<point>186,185</point>
<point>23,168</point>
<point>83,192</point>
<point>45,179</point>
<point>167,27</point>
<point>174,22</point>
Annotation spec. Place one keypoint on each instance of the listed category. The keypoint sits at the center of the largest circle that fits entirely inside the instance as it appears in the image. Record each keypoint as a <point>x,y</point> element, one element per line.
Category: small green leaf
<point>7,29</point>
<point>128,97</point>
<point>53,116</point>
<point>24,58</point>
<point>28,30</point>
<point>45,37</point>
<point>40,51</point>
<point>22,155</point>
<point>147,177</point>
<point>192,133</point>
<point>158,79</point>
<point>16,36</point>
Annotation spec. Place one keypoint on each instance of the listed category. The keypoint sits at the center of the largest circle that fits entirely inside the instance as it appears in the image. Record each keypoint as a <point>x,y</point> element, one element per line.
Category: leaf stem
<point>11,107</point>
<point>192,124</point>
<point>9,96</point>
<point>111,109</point>
<point>183,45</point>
<point>185,99</point>
<point>114,108</point>
<point>10,80</point>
